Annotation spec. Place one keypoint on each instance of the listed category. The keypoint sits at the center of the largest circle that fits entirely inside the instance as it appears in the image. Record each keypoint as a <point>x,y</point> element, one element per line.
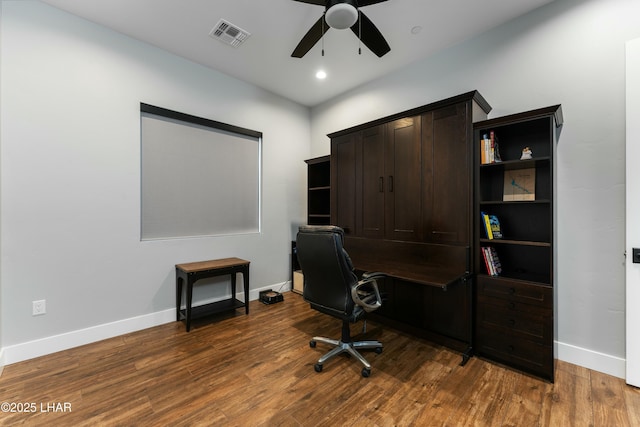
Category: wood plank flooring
<point>257,370</point>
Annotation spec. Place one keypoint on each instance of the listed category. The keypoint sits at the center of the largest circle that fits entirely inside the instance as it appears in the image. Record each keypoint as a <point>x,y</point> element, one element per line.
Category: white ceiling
<point>182,27</point>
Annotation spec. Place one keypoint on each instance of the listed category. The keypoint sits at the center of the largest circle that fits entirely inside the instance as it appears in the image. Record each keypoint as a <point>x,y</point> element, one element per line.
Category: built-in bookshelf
<point>318,208</point>
<point>515,184</point>
<point>318,191</point>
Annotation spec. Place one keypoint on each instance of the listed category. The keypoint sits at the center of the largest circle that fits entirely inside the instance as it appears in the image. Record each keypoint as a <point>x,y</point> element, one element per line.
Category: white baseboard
<point>41,347</point>
<point>2,362</point>
<point>605,363</point>
<point>600,362</point>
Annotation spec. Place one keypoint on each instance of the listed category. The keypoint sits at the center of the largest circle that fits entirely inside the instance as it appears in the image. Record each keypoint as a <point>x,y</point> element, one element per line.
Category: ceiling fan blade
<point>362,3</point>
<point>371,36</point>
<point>319,2</point>
<point>311,38</point>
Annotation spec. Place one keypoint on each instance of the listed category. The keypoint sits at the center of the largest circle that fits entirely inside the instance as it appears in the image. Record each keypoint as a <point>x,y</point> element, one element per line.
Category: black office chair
<point>331,287</point>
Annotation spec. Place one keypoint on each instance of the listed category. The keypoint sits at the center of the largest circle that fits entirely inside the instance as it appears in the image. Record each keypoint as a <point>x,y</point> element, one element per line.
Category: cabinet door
<point>447,175</point>
<point>403,202</point>
<point>344,170</point>
<point>373,183</point>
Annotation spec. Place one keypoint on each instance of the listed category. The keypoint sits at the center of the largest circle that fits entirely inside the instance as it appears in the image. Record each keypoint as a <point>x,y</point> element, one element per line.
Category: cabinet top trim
<point>554,110</point>
<point>315,160</point>
<point>469,96</point>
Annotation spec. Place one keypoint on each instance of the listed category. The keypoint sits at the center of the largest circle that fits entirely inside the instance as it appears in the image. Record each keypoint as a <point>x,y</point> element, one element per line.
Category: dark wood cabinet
<point>376,176</point>
<point>401,187</point>
<point>345,163</point>
<point>403,170</point>
<point>514,308</point>
<point>447,175</point>
<point>371,203</point>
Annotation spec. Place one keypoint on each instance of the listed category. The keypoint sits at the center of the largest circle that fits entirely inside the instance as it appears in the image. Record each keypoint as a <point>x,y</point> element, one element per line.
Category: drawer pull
<point>512,291</point>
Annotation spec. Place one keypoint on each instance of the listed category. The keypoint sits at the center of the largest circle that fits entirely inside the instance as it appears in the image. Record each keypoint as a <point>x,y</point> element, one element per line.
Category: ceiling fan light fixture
<point>341,16</point>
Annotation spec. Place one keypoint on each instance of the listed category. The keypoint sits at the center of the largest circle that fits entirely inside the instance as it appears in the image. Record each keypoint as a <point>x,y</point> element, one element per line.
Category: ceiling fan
<point>342,14</point>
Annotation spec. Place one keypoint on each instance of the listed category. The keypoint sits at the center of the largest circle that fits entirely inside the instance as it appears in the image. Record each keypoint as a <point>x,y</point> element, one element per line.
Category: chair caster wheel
<point>366,372</point>
<point>317,367</point>
<point>312,344</point>
<point>378,350</point>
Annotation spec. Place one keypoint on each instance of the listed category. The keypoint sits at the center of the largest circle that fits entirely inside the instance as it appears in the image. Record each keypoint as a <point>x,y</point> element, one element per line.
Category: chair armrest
<point>373,275</point>
<point>362,297</point>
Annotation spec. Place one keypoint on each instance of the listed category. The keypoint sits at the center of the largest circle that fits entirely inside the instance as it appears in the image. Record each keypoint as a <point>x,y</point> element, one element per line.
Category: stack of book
<point>491,260</point>
<point>489,151</point>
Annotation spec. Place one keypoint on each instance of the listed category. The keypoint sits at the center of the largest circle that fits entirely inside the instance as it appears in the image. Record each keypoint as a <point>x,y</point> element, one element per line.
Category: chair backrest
<point>327,269</point>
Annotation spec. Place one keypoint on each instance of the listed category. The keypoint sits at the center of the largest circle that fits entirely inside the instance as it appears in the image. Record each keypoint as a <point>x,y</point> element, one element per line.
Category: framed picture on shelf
<point>519,184</point>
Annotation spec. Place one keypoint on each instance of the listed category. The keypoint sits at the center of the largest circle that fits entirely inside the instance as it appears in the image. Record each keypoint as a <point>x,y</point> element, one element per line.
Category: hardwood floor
<point>257,370</point>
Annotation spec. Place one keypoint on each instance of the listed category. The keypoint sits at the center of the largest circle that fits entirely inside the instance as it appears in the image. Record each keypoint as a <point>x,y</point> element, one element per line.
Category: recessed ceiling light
<point>416,29</point>
<point>321,75</point>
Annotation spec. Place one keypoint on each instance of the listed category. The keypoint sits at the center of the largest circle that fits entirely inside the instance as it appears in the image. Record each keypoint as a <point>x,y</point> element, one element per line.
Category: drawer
<point>512,304</point>
<point>533,324</point>
<point>519,353</point>
<point>515,291</point>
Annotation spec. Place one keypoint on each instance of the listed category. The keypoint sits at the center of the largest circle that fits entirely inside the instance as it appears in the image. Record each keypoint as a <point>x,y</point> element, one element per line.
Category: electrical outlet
<point>39,307</point>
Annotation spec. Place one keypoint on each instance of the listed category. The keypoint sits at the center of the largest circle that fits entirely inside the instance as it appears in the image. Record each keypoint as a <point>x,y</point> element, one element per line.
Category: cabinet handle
<point>382,184</point>
<point>390,183</point>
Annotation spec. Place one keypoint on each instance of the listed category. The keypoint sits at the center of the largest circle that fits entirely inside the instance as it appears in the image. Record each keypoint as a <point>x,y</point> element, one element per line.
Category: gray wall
<point>70,176</point>
<point>569,52</point>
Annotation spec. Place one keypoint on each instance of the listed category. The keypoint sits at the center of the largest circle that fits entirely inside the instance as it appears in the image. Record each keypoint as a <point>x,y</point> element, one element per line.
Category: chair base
<point>346,345</point>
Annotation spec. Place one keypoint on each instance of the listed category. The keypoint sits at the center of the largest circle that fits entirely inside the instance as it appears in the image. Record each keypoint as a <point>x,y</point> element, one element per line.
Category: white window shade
<point>198,177</point>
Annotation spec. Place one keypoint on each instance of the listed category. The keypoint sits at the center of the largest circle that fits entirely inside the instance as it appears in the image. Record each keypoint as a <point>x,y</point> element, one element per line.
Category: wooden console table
<point>193,271</point>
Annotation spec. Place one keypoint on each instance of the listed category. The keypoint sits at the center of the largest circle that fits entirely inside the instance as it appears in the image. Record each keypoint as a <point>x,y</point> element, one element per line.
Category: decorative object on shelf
<point>519,184</point>
<point>526,154</point>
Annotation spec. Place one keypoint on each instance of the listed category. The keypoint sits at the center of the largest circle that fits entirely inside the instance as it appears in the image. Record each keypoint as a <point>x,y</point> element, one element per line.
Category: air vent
<point>229,34</point>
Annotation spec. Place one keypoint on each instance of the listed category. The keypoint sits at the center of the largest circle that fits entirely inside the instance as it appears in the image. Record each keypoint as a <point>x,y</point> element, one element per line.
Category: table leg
<point>179,281</point>
<point>233,284</point>
<point>245,277</point>
<point>189,300</point>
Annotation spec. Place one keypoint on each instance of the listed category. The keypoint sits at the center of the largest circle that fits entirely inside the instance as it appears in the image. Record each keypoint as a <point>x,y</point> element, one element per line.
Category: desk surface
<point>430,275</point>
<point>428,264</point>
<point>192,267</point>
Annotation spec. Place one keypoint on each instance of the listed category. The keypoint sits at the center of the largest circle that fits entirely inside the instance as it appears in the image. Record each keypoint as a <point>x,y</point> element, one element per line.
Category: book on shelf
<point>492,227</point>
<point>491,260</point>
<point>495,261</point>
<point>485,224</point>
<point>485,257</point>
<point>519,184</point>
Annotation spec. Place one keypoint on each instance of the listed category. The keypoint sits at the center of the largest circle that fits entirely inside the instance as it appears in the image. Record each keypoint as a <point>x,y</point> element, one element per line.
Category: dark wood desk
<point>429,288</point>
<point>194,271</point>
